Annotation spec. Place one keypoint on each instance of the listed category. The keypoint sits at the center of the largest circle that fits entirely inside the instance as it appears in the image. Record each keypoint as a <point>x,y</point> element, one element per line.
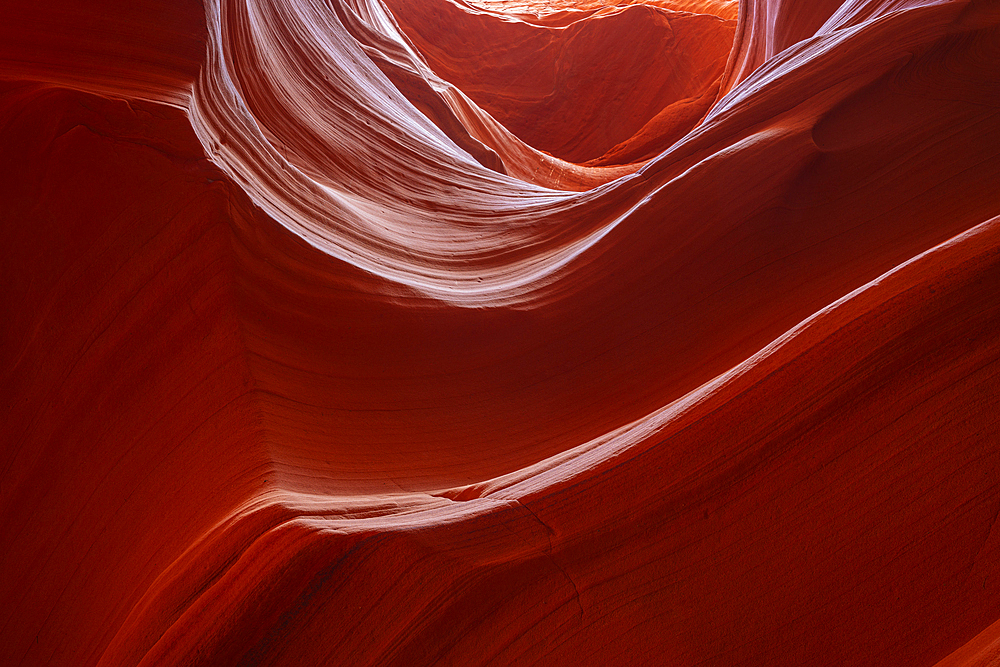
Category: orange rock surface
<point>442,332</point>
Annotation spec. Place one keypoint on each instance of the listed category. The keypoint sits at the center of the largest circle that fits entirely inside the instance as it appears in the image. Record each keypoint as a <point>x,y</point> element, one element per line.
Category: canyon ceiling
<point>406,332</point>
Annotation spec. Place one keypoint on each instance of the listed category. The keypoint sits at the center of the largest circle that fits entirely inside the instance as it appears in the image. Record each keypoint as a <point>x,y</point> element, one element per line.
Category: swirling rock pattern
<point>500,332</point>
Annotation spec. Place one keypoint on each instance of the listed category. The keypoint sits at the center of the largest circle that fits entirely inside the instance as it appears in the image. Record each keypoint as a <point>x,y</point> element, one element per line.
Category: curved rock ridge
<point>500,332</point>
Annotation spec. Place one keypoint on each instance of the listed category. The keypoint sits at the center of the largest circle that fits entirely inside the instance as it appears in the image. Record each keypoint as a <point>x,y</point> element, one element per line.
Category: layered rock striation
<point>441,332</point>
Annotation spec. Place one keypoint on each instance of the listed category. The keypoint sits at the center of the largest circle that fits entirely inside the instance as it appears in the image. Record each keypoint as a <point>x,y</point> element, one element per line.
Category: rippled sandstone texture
<point>435,332</point>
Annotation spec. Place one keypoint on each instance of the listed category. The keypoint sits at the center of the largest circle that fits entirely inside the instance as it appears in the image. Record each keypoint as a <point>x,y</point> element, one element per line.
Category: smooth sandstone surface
<point>500,332</point>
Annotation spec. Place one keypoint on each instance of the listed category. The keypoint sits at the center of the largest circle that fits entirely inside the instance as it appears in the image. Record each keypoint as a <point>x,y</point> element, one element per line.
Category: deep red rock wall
<point>500,333</point>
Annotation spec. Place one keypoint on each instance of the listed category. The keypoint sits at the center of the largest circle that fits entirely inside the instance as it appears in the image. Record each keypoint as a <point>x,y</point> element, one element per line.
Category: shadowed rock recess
<point>500,332</point>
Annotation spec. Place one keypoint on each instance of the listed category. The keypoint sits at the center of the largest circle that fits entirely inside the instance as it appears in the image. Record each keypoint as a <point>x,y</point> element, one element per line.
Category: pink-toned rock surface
<point>437,332</point>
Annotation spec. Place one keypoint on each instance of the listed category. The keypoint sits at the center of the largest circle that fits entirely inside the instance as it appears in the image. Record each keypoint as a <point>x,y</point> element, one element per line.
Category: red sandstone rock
<point>313,355</point>
<point>574,91</point>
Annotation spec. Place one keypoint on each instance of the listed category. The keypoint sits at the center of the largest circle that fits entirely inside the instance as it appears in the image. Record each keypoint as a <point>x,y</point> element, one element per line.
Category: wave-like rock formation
<point>349,332</point>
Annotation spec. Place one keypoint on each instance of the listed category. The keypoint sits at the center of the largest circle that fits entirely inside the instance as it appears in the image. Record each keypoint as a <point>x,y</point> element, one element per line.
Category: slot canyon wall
<point>412,332</point>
